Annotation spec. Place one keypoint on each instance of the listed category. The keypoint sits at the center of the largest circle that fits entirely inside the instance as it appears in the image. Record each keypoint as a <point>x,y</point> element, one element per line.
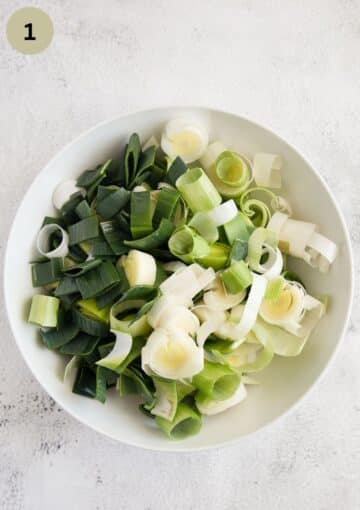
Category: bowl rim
<point>167,447</point>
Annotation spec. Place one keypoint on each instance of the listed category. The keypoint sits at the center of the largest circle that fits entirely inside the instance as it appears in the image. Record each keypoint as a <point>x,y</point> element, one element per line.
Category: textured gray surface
<point>293,65</point>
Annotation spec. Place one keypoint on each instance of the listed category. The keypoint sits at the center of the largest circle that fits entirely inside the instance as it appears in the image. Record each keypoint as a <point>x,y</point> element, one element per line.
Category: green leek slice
<point>187,245</point>
<point>186,423</point>
<point>198,191</point>
<point>44,311</point>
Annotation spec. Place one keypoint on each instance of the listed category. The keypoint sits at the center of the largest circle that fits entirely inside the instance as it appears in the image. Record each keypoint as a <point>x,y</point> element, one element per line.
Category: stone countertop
<point>292,65</point>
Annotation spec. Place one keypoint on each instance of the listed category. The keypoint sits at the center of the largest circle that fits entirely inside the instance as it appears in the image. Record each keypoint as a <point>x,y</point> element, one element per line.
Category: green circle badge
<point>29,30</point>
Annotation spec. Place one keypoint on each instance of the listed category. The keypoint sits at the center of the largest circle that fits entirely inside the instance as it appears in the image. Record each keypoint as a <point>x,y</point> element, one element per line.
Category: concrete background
<point>291,64</point>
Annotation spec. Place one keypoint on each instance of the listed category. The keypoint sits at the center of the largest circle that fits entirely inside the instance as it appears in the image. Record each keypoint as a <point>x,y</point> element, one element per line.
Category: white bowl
<point>284,382</point>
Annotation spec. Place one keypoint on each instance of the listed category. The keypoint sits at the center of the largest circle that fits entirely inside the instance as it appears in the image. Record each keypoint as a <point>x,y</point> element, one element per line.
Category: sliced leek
<point>120,351</point>
<point>211,406</point>
<point>187,245</point>
<point>45,241</point>
<point>167,274</point>
<point>266,168</point>
<point>44,311</point>
<point>173,355</point>
<point>197,190</point>
<point>140,268</point>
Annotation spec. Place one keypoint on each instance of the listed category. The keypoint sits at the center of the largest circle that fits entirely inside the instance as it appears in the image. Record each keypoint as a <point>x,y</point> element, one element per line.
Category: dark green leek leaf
<point>82,268</point>
<point>156,175</point>
<point>49,220</point>
<point>68,300</point>
<point>144,168</point>
<point>66,286</point>
<point>115,172</point>
<point>91,178</point>
<point>176,169</point>
<point>115,237</point>
<point>89,325</point>
<point>142,311</point>
<point>96,281</point>
<point>101,383</point>
<point>155,239</point>
<point>44,273</point>
<point>146,292</point>
<point>77,254</point>
<point>83,210</point>
<point>166,205</point>
<point>131,159</point>
<point>110,296</point>
<point>85,382</point>
<point>85,229</point>
<point>123,222</point>
<point>144,384</point>
<point>101,248</point>
<point>112,203</point>
<point>141,214</point>
<point>161,275</point>
<point>65,331</point>
<point>68,210</point>
<point>82,345</point>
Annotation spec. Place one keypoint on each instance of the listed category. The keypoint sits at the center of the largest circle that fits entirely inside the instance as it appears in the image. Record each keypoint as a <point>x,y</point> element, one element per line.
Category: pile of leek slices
<point>163,274</point>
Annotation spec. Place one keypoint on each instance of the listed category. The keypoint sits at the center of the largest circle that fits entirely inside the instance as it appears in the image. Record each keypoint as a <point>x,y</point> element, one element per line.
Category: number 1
<point>30,36</point>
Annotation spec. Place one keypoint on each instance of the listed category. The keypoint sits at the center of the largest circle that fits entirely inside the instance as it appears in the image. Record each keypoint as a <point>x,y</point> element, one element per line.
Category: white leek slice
<point>285,343</point>
<point>266,170</point>
<point>140,188</point>
<point>211,154</point>
<point>281,204</point>
<point>150,142</point>
<point>278,340</point>
<point>43,238</point>
<point>120,351</point>
<point>184,138</point>
<point>172,355</point>
<point>277,221</point>
<point>273,266</point>
<point>211,322</point>
<point>188,282</point>
<point>205,330</point>
<point>163,185</point>
<point>218,299</point>
<point>211,407</point>
<point>206,222</point>
<point>166,399</point>
<point>63,192</point>
<point>223,213</point>
<point>140,268</point>
<point>260,242</point>
<point>249,357</point>
<point>251,308</point>
<point>246,379</point>
<point>314,310</point>
<point>179,318</point>
<point>165,305</point>
<point>322,252</point>
<point>287,309</point>
<point>295,236</point>
<point>174,266</point>
<point>301,239</point>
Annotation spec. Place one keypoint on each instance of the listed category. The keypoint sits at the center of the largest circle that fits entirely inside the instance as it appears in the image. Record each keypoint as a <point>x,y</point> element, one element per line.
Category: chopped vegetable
<point>171,281</point>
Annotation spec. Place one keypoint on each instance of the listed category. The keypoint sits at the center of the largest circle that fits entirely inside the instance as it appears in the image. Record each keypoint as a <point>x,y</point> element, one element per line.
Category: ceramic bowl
<point>284,382</point>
